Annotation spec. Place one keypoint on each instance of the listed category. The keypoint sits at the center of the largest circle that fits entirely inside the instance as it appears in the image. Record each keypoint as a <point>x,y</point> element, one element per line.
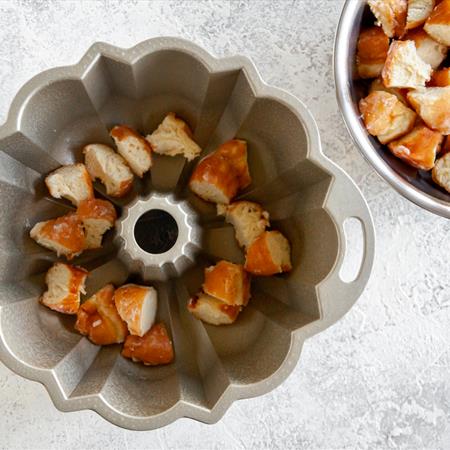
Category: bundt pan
<point>58,112</point>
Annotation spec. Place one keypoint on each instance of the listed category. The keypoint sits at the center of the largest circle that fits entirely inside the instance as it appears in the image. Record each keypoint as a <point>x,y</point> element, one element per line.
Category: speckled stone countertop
<point>377,379</point>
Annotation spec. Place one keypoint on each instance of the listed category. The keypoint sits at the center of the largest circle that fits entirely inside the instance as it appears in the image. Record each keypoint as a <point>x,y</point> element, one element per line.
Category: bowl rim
<point>353,121</point>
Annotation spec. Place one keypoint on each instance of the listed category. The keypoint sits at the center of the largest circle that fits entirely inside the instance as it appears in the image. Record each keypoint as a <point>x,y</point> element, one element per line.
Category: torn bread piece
<point>385,116</point>
<point>376,110</point>
<point>215,179</point>
<point>65,283</point>
<point>98,319</point>
<point>248,219</point>
<point>433,106</point>
<point>227,282</point>
<point>64,235</point>
<point>377,85</point>
<point>174,137</point>
<point>71,182</point>
<point>418,12</point>
<point>235,151</point>
<point>373,46</point>
<point>152,349</point>
<point>391,15</point>
<point>418,148</point>
<point>137,306</point>
<point>438,24</point>
<point>429,50</point>
<point>97,216</point>
<point>219,176</point>
<point>136,150</point>
<point>441,172</point>
<point>110,168</point>
<point>212,310</point>
<point>404,68</point>
<point>268,255</point>
<point>440,78</point>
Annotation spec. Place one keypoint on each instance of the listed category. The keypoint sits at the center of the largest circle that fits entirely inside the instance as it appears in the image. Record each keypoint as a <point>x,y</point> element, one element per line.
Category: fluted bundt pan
<point>308,198</point>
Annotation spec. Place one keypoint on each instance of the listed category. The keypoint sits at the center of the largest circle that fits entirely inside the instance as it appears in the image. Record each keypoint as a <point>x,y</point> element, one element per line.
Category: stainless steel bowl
<point>308,198</point>
<point>415,185</point>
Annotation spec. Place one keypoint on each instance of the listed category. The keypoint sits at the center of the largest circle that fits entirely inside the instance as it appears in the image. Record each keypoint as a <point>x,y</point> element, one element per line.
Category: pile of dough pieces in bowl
<point>126,314</point>
<point>408,105</point>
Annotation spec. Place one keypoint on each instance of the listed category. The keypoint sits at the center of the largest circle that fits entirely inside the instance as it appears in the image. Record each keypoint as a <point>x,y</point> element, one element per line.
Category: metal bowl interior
<point>308,198</point>
<point>415,185</point>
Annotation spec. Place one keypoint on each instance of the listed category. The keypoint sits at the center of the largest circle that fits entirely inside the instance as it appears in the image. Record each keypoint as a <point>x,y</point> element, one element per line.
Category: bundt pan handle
<point>336,295</point>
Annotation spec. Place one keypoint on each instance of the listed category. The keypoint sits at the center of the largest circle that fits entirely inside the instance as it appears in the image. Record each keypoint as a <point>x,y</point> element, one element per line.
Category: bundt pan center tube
<point>158,237</point>
<point>309,198</point>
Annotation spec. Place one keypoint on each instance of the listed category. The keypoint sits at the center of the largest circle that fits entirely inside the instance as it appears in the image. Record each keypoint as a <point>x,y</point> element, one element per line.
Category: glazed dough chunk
<point>269,254</point>
<point>152,349</point>
<point>441,172</point>
<point>433,106</point>
<point>97,216</point>
<point>104,163</point>
<point>219,176</point>
<point>385,116</point>
<point>71,182</point>
<point>137,306</point>
<point>235,151</point>
<point>438,24</point>
<point>174,137</point>
<point>212,310</point>
<point>373,46</point>
<point>65,283</point>
<point>248,219</point>
<point>377,85</point>
<point>404,68</point>
<point>64,235</point>
<point>446,147</point>
<point>429,50</point>
<point>391,15</point>
<point>136,151</point>
<point>99,320</point>
<point>418,148</point>
<point>441,78</point>
<point>215,180</point>
<point>227,282</point>
<point>418,12</point>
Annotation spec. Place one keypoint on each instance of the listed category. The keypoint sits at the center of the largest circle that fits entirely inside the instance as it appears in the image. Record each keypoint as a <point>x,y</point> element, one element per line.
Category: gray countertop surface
<point>379,378</point>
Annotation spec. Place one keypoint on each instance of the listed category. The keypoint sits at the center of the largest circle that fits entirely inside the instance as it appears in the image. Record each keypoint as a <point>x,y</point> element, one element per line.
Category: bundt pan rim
<point>343,200</point>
